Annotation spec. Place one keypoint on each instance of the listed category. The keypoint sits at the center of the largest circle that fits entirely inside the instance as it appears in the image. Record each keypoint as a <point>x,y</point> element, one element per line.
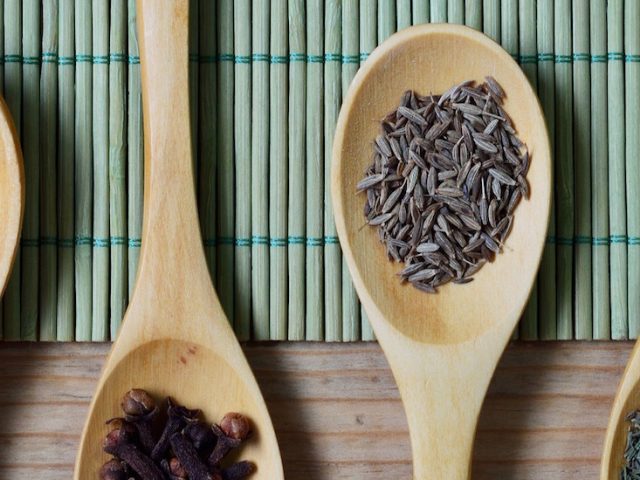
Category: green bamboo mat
<point>267,79</point>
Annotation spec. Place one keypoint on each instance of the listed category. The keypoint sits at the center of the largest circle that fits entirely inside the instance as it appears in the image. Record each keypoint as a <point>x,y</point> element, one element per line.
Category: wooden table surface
<point>336,409</point>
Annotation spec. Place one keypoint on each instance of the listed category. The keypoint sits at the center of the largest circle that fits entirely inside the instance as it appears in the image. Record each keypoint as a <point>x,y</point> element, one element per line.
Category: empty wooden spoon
<point>11,193</point>
<point>442,348</point>
<point>175,339</point>
<point>627,400</point>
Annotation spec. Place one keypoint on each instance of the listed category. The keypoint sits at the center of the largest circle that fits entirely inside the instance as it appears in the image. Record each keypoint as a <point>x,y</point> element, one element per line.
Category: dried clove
<point>238,471</point>
<point>223,446</point>
<point>188,456</point>
<point>141,410</point>
<point>201,436</point>
<point>113,470</point>
<point>187,449</point>
<point>178,417</point>
<point>119,443</point>
<point>235,425</point>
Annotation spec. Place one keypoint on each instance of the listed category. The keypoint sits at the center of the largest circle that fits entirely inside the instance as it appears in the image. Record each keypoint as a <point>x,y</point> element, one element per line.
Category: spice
<point>631,467</point>
<point>447,174</point>
<point>187,448</point>
<point>140,409</point>
<point>119,442</point>
<point>114,470</point>
<point>178,418</point>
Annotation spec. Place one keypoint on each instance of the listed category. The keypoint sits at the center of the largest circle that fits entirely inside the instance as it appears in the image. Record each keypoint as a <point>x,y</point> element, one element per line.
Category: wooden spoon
<point>175,339</point>
<point>442,348</point>
<point>627,400</point>
<point>11,193</point>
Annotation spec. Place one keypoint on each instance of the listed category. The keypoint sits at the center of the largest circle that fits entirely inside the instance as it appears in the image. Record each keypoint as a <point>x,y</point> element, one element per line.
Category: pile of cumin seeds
<point>631,466</point>
<point>447,174</point>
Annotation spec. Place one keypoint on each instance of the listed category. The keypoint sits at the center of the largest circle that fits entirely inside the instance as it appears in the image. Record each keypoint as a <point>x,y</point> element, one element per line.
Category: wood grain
<point>337,411</point>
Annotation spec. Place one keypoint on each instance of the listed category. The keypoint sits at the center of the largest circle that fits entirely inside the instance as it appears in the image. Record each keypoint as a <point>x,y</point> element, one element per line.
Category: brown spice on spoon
<point>186,449</point>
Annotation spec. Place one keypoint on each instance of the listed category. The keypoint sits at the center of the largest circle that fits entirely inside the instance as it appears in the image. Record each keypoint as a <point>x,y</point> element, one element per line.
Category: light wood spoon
<point>442,348</point>
<point>11,193</point>
<point>627,400</point>
<point>175,339</point>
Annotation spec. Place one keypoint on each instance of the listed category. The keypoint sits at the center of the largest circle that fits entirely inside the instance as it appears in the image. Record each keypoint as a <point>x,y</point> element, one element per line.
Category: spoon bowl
<point>175,339</point>
<point>11,193</point>
<point>626,401</point>
<point>192,371</point>
<point>442,348</point>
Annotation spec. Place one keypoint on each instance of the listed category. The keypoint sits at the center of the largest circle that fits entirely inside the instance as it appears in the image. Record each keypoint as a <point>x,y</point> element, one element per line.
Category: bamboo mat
<point>267,78</point>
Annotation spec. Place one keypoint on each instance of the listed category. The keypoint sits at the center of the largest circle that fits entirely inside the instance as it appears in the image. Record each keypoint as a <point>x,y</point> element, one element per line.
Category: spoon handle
<point>442,389</point>
<point>170,214</point>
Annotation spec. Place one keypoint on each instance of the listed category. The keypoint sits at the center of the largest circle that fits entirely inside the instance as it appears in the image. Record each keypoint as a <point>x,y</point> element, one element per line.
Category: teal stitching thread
<point>314,242</point>
<point>66,60</point>
<point>115,241</point>
<point>65,242</point>
<point>52,57</point>
<point>350,58</point>
<point>83,241</point>
<point>259,240</point>
<point>600,241</point>
<point>564,241</point>
<point>49,57</point>
<point>31,60</point>
<point>278,59</point>
<point>13,58</point>
<point>618,239</point>
<point>297,57</point>
<point>29,242</point>
<point>273,242</point>
<point>117,57</point>
<point>332,57</point>
<point>278,242</point>
<point>101,242</point>
<point>634,240</point>
<point>48,241</point>
<point>527,59</point>
<point>582,240</point>
<point>135,242</point>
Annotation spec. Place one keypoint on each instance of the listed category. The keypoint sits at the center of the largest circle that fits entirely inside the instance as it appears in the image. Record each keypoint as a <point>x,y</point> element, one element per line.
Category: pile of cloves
<point>148,444</point>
